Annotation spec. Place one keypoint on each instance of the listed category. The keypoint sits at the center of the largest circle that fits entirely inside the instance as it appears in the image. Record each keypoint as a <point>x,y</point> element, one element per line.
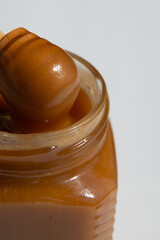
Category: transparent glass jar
<point>61,185</point>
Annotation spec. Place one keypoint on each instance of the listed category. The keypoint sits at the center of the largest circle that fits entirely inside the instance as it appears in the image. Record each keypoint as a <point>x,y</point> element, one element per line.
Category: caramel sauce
<point>38,79</point>
<point>17,124</point>
<point>77,203</point>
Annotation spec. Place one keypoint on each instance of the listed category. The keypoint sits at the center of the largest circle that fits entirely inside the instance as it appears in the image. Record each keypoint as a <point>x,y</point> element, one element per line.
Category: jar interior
<point>93,84</point>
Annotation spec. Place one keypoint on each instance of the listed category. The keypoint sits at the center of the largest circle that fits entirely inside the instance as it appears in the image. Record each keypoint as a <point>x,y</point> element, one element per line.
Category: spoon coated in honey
<point>38,79</point>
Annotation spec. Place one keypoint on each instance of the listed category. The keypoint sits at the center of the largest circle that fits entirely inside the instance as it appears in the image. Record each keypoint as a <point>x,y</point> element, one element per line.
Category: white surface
<point>122,39</point>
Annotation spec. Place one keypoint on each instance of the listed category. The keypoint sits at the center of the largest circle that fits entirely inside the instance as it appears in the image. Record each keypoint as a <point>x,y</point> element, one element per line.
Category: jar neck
<point>50,161</point>
<point>55,152</point>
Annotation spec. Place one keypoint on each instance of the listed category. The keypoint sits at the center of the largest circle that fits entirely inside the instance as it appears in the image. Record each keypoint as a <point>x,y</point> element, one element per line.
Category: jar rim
<point>13,139</point>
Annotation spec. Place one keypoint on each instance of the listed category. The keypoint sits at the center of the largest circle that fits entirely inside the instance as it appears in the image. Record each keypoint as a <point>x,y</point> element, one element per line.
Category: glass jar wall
<point>61,184</point>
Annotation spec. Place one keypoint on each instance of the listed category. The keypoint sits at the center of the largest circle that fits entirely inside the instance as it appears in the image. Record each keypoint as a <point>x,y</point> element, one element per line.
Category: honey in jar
<point>59,181</point>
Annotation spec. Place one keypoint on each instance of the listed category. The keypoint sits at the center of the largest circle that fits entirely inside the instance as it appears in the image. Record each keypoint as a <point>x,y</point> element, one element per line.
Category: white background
<point>122,39</point>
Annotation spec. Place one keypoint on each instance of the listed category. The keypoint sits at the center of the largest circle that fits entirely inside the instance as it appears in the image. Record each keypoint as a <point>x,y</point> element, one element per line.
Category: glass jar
<point>61,185</point>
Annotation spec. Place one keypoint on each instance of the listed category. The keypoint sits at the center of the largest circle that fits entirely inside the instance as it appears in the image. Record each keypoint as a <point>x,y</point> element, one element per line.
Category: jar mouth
<point>20,142</point>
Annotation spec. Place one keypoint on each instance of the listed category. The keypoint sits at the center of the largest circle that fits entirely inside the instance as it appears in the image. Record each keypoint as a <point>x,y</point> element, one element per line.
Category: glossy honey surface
<point>79,204</point>
<point>38,79</point>
<point>17,124</point>
<point>76,203</point>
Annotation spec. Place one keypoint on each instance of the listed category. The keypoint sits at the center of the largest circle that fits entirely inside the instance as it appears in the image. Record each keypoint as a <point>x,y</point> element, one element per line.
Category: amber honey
<point>61,183</point>
<point>80,109</point>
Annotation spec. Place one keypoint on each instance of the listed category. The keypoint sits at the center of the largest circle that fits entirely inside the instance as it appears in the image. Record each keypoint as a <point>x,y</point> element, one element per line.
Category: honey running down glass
<point>62,184</point>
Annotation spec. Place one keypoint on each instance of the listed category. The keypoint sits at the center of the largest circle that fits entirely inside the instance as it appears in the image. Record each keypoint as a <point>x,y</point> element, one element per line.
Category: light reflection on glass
<point>87,193</point>
<point>71,179</point>
<point>80,144</point>
<point>57,68</point>
<point>80,186</point>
